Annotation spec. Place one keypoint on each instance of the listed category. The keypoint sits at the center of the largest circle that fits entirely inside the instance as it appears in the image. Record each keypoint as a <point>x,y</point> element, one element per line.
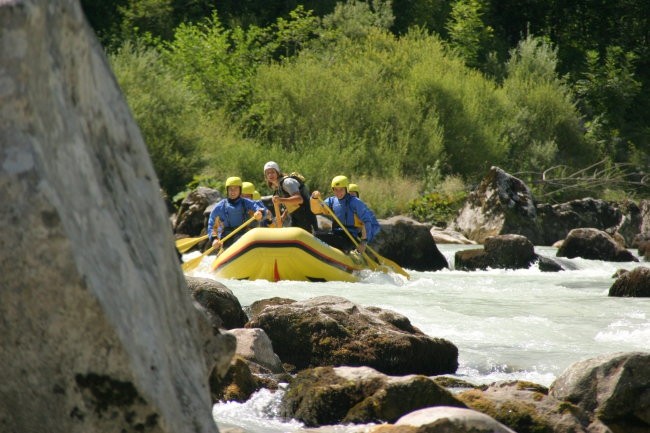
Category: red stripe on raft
<point>276,274</point>
<point>299,244</point>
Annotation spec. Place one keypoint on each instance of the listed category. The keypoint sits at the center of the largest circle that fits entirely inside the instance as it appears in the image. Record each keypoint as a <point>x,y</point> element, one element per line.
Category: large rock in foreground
<point>343,395</point>
<point>97,332</point>
<point>614,387</point>
<point>330,330</point>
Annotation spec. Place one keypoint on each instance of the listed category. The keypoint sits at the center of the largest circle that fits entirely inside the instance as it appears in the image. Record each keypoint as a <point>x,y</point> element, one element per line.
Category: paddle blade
<point>389,263</point>
<point>184,245</point>
<point>191,264</point>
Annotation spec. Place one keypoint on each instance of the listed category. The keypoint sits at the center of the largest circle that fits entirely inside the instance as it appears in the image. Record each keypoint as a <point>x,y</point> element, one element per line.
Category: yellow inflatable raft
<point>288,253</point>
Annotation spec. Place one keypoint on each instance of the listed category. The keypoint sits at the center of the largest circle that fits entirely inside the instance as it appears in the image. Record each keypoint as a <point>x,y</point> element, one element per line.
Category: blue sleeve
<point>211,220</point>
<point>367,217</point>
<point>254,206</point>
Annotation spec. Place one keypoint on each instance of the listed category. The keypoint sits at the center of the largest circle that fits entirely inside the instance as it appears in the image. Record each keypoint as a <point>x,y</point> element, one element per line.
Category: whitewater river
<point>522,324</point>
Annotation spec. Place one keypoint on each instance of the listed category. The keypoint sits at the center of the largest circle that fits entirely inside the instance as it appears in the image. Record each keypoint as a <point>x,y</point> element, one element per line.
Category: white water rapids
<point>507,324</point>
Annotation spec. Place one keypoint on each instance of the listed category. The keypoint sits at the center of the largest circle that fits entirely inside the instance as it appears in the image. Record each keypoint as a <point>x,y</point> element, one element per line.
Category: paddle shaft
<point>387,262</point>
<point>193,263</point>
<point>354,241</point>
<point>383,260</point>
<point>278,215</point>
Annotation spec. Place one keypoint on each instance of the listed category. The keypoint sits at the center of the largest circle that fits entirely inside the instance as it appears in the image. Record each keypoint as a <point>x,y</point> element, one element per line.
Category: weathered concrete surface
<point>97,332</point>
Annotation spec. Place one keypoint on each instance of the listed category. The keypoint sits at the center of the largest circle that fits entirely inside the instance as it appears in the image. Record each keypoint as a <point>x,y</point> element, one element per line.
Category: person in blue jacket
<point>230,213</point>
<point>353,213</point>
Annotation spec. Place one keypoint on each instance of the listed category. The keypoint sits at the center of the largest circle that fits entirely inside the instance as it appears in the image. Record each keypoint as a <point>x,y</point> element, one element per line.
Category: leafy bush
<point>437,208</point>
<point>167,113</point>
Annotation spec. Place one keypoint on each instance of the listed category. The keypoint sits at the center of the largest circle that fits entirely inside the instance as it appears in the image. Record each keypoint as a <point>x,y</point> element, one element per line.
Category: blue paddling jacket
<point>230,214</point>
<point>345,210</point>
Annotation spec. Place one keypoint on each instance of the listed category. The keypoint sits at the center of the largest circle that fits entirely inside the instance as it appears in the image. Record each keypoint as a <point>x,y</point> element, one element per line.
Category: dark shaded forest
<point>413,100</point>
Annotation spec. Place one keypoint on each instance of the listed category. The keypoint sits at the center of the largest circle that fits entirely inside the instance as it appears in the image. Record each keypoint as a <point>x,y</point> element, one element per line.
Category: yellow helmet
<point>233,181</point>
<point>256,195</point>
<point>247,188</point>
<point>353,188</point>
<point>340,182</point>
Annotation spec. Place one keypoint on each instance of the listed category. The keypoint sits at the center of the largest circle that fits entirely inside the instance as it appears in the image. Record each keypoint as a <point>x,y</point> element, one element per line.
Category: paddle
<point>193,263</point>
<point>278,215</point>
<point>388,262</point>
<point>185,244</point>
<point>383,260</point>
<point>371,262</point>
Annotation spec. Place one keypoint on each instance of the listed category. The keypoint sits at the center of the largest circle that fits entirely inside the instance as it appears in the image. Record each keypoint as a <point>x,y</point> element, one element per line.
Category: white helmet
<point>272,164</point>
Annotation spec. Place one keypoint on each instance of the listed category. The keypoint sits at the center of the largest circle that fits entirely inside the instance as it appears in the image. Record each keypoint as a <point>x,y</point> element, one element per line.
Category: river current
<point>507,324</point>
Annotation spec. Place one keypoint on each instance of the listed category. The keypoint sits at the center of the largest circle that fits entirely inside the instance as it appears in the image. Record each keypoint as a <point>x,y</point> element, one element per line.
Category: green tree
<point>468,34</point>
<point>295,32</point>
<point>607,93</point>
<point>167,113</point>
<point>542,123</point>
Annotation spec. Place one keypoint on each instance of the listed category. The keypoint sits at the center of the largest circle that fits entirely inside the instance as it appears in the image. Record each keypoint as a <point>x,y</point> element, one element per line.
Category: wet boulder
<point>342,395</point>
<point>526,407</point>
<point>593,244</point>
<point>559,219</point>
<point>410,244</point>
<point>612,387</point>
<point>238,384</point>
<point>190,219</point>
<point>255,347</point>
<point>447,236</point>
<point>330,330</point>
<point>444,419</point>
<point>644,250</point>
<point>220,304</point>
<point>503,252</point>
<point>253,367</point>
<point>635,283</point>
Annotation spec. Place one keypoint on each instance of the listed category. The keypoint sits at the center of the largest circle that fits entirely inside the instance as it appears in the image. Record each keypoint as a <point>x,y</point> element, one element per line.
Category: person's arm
<point>258,209</point>
<point>368,218</point>
<point>212,220</point>
<point>314,203</point>
<point>215,220</point>
<point>291,187</point>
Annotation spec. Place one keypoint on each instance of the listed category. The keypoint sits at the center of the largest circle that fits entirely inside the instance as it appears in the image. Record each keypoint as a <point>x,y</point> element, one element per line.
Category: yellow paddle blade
<point>191,264</point>
<point>389,263</point>
<point>185,244</point>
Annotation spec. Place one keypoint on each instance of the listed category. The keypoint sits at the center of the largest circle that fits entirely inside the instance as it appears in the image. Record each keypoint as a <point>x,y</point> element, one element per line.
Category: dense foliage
<point>382,91</point>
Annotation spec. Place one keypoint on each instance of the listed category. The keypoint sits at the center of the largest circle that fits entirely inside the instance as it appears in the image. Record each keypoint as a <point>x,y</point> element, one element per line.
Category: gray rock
<point>635,283</point>
<point>593,244</point>
<point>97,333</point>
<point>614,387</point>
<point>326,395</point>
<point>410,244</point>
<point>220,304</point>
<point>191,219</point>
<point>447,236</point>
<point>444,419</point>
<point>255,346</point>
<point>330,330</point>
<point>501,204</point>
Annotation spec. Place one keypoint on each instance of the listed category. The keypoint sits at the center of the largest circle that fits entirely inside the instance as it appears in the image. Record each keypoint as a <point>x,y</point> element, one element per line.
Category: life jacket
<point>303,212</point>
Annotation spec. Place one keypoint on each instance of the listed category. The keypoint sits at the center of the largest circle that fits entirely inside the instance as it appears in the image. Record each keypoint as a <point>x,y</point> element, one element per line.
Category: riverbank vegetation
<point>412,100</point>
